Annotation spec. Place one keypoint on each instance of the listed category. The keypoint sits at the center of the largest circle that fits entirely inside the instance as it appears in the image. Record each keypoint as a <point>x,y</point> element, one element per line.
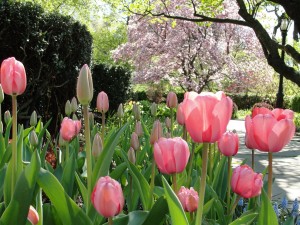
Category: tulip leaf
<point>289,221</point>
<point>158,212</point>
<point>245,220</point>
<point>68,175</point>
<point>67,210</point>
<point>208,206</point>
<point>220,179</point>
<point>2,146</point>
<point>178,216</point>
<point>2,177</point>
<point>82,187</point>
<point>6,156</point>
<point>17,210</point>
<point>118,171</point>
<point>50,215</point>
<point>267,214</point>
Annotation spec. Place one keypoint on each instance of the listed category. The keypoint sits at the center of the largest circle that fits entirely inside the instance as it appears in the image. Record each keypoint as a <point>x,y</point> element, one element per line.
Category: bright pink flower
<point>172,100</point>
<point>102,102</point>
<point>265,133</point>
<point>107,197</point>
<point>33,216</point>
<point>206,115</point>
<point>13,77</point>
<point>245,182</point>
<point>280,114</point>
<point>69,128</point>
<point>180,114</point>
<point>188,198</point>
<point>229,143</point>
<point>171,154</point>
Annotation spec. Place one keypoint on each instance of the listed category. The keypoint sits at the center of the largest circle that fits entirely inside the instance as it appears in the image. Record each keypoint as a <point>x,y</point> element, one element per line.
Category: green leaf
<point>289,221</point>
<point>208,206</point>
<point>220,178</point>
<point>267,214</point>
<point>2,177</point>
<point>67,210</point>
<point>50,215</point>
<point>82,187</point>
<point>68,176</point>
<point>176,211</point>
<point>245,220</point>
<point>118,171</point>
<point>17,210</point>
<point>158,212</point>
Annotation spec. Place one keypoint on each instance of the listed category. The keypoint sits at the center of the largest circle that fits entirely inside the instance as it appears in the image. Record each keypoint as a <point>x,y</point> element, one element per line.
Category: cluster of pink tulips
<point>203,116</point>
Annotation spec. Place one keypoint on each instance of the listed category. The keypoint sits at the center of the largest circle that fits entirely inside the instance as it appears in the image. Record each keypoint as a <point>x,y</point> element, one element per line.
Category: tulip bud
<point>138,128</point>
<point>68,108</point>
<point>136,112</point>
<point>1,127</point>
<point>180,115</point>
<point>134,142</point>
<point>7,116</point>
<point>153,109</point>
<point>91,119</point>
<point>97,145</point>
<point>61,141</point>
<point>33,119</point>
<point>74,117</point>
<point>102,102</point>
<point>120,112</point>
<point>188,198</point>
<point>33,216</point>
<point>69,128</point>
<point>1,94</point>
<point>13,77</point>
<point>156,132</point>
<point>131,155</point>
<point>228,144</point>
<point>85,86</point>
<point>74,105</point>
<point>33,138</point>
<point>172,100</point>
<point>168,122</point>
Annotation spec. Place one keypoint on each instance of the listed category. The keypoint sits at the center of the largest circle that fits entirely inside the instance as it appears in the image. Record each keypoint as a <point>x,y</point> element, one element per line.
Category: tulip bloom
<point>245,182</point>
<point>13,77</point>
<point>107,197</point>
<point>180,115</point>
<point>69,128</point>
<point>84,87</point>
<point>102,102</point>
<point>171,155</point>
<point>33,216</point>
<point>188,198</point>
<point>206,115</point>
<point>267,133</point>
<point>229,143</point>
<point>172,100</point>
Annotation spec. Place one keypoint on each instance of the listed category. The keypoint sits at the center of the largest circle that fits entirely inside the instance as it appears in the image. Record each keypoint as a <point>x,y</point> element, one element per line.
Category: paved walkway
<point>286,164</point>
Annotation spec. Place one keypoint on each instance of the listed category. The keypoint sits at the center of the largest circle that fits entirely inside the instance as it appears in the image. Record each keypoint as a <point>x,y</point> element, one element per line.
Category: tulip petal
<point>249,138</point>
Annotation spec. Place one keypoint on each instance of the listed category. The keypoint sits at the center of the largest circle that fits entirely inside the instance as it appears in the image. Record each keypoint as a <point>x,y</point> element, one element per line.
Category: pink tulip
<point>180,114</point>
<point>134,141</point>
<point>13,77</point>
<point>172,100</point>
<point>171,155</point>
<point>156,132</point>
<point>229,143</point>
<point>206,115</point>
<point>33,216</point>
<point>138,128</point>
<point>69,128</point>
<point>102,102</point>
<point>107,197</point>
<point>265,133</point>
<point>260,110</point>
<point>245,182</point>
<point>188,198</point>
<point>280,114</point>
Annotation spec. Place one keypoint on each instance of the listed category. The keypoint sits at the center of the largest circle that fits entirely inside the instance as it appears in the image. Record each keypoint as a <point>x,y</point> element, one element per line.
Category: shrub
<point>295,103</point>
<point>52,48</point>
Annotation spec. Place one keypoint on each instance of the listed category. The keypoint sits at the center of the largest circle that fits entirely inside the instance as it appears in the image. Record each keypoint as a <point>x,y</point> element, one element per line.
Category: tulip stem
<point>172,121</point>
<point>152,182</point>
<point>202,184</point>
<point>234,205</point>
<point>210,162</point>
<point>174,181</point>
<point>14,144</point>
<point>191,165</point>
<point>270,173</point>
<point>184,135</point>
<point>88,155</point>
<point>110,221</point>
<point>67,151</point>
<point>228,183</point>
<point>252,158</point>
<point>103,126</point>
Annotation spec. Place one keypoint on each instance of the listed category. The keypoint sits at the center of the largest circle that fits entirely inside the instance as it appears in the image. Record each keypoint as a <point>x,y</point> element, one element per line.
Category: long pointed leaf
<point>267,214</point>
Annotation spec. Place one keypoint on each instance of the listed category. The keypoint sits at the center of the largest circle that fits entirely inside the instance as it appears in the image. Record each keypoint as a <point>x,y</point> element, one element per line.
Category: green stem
<point>234,205</point>
<point>228,183</point>
<point>67,152</point>
<point>202,184</point>
<point>210,161</point>
<point>270,175</point>
<point>174,181</point>
<point>184,135</point>
<point>14,144</point>
<point>110,221</point>
<point>152,182</point>
<point>252,158</point>
<point>39,206</point>
<point>189,178</point>
<point>88,155</point>
<point>103,126</point>
<point>172,121</point>
<point>191,216</point>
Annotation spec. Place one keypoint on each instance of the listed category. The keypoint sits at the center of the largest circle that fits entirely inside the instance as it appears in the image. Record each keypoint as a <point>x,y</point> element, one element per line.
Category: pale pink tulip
<point>280,114</point>
<point>171,155</point>
<point>245,182</point>
<point>138,128</point>
<point>156,132</point>
<point>33,216</point>
<point>172,100</point>
<point>69,128</point>
<point>188,198</point>
<point>107,197</point>
<point>102,102</point>
<point>180,115</point>
<point>229,143</point>
<point>206,115</point>
<point>134,141</point>
<point>13,77</point>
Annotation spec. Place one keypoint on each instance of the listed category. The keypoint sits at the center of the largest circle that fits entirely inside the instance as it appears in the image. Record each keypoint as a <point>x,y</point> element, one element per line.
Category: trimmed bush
<point>295,103</point>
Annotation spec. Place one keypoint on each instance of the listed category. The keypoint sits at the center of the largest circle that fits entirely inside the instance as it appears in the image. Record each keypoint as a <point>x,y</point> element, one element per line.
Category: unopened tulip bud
<point>153,109</point>
<point>7,117</point>
<point>136,112</point>
<point>1,94</point>
<point>68,108</point>
<point>33,216</point>
<point>74,117</point>
<point>172,100</point>
<point>97,145</point>
<point>131,155</point>
<point>85,88</point>
<point>138,128</point>
<point>61,141</point>
<point>168,122</point>
<point>74,105</point>
<point>33,138</point>
<point>120,112</point>
<point>102,102</point>
<point>180,115</point>
<point>33,119</point>
<point>134,141</point>
<point>156,132</point>
<point>1,127</point>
